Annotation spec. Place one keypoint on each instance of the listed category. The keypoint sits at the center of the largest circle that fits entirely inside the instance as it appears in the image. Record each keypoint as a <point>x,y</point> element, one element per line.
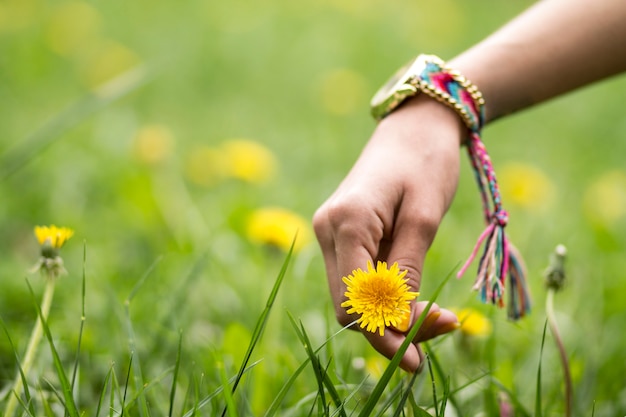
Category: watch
<point>429,74</point>
<point>402,85</point>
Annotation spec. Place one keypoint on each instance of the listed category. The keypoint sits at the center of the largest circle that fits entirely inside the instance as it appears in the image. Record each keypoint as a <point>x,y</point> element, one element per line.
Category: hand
<point>389,208</point>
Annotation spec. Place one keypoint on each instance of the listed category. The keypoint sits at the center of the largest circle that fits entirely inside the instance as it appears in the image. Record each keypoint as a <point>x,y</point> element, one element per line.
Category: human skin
<point>392,201</point>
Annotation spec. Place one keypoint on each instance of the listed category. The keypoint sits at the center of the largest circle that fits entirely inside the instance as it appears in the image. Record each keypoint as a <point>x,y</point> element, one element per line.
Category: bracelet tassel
<point>499,258</point>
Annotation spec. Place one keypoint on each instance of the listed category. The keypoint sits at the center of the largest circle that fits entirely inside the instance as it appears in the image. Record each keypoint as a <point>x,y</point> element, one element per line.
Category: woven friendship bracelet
<point>449,87</point>
<point>499,258</point>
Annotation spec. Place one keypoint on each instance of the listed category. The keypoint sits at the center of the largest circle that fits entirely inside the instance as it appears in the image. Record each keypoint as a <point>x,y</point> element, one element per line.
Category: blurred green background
<point>232,107</point>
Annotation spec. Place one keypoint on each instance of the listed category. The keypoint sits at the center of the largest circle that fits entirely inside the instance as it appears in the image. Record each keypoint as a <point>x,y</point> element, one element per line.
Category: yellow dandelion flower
<point>73,28</point>
<point>105,61</point>
<point>17,15</point>
<point>53,235</point>
<point>51,238</point>
<point>375,366</point>
<point>153,144</point>
<point>277,227</point>
<point>249,161</point>
<point>381,296</point>
<point>473,322</point>
<point>525,186</point>
<point>605,199</point>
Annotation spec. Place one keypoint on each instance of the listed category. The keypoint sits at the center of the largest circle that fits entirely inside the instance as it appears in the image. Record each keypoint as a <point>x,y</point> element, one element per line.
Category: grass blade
<point>136,365</point>
<point>70,406</point>
<point>432,358</point>
<point>228,394</point>
<point>262,321</point>
<point>30,407</point>
<point>82,318</point>
<point>446,395</point>
<point>391,398</point>
<point>107,378</point>
<point>130,366</point>
<point>115,385</point>
<point>395,361</point>
<point>215,393</point>
<point>405,395</point>
<point>38,141</point>
<point>538,412</point>
<point>45,404</point>
<point>432,379</point>
<point>417,410</point>
<point>273,408</point>
<point>320,373</point>
<point>175,376</point>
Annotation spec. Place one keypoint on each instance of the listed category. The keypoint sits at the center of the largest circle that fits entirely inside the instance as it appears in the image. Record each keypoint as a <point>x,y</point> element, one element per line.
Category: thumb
<point>438,321</point>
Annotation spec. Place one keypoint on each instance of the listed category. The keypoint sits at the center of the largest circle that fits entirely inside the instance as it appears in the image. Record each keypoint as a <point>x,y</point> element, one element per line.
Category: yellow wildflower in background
<point>241,159</point>
<point>153,144</point>
<point>473,322</point>
<point>277,227</point>
<point>605,199</point>
<point>381,296</point>
<point>73,28</point>
<point>525,186</point>
<point>248,160</point>
<point>106,60</point>
<point>55,236</point>
<point>51,239</point>
<point>16,15</point>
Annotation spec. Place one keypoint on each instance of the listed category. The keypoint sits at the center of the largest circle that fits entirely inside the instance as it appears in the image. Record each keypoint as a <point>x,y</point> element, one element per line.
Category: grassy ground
<point>222,109</point>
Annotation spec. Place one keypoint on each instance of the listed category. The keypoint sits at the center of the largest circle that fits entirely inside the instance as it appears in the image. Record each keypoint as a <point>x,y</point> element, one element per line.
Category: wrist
<point>428,122</point>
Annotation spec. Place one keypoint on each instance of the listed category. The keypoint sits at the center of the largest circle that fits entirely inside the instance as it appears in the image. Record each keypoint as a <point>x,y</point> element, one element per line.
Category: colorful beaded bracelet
<point>499,257</point>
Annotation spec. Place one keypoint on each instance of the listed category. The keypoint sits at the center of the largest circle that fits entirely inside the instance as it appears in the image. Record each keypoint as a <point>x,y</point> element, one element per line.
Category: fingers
<point>349,236</point>
<point>438,321</point>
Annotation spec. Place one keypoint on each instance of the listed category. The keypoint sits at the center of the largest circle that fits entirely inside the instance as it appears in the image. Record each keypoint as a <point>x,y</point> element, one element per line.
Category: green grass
<point>159,313</point>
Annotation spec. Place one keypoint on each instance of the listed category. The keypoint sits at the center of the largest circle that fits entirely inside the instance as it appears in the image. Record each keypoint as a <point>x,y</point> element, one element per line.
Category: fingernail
<point>405,322</point>
<point>430,319</point>
<point>447,328</point>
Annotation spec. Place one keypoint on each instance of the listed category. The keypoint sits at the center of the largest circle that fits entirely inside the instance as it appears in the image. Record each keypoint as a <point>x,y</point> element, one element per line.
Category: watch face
<point>397,89</point>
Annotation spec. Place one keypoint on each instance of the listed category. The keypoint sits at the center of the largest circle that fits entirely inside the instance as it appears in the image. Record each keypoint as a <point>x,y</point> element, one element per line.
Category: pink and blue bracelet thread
<point>499,258</point>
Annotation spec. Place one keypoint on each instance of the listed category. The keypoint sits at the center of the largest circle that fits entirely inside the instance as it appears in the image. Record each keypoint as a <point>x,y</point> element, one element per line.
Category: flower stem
<point>559,342</point>
<point>33,343</point>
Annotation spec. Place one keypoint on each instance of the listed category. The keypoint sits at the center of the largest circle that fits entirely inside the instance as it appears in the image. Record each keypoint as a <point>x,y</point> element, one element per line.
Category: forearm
<point>552,48</point>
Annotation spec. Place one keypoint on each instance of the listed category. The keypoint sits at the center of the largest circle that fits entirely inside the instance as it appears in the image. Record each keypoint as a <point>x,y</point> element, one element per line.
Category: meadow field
<point>184,143</point>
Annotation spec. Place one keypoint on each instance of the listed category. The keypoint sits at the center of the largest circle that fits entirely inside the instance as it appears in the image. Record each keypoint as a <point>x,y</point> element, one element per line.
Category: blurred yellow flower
<point>153,144</point>
<point>53,235</point>
<point>73,28</point>
<point>206,166</point>
<point>278,227</point>
<point>16,15</point>
<point>605,199</point>
<point>375,366</point>
<point>381,296</point>
<point>473,322</point>
<point>525,186</point>
<point>343,91</point>
<point>249,160</point>
<point>51,239</point>
<point>106,60</point>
